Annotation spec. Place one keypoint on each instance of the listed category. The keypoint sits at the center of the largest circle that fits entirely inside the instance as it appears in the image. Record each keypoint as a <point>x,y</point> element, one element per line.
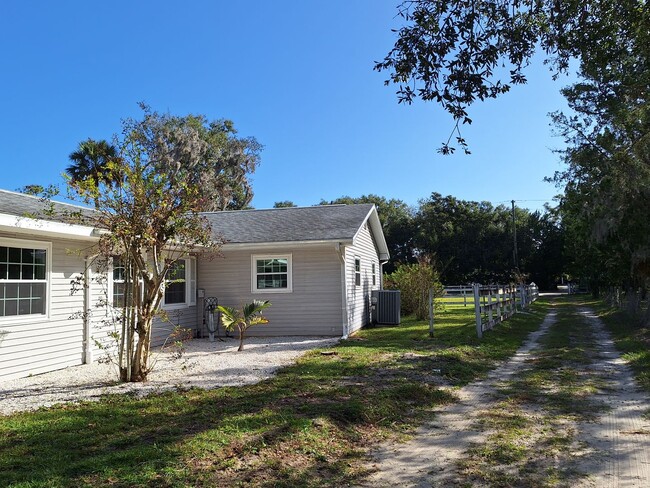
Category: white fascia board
<point>375,225</point>
<point>284,244</point>
<point>25,225</point>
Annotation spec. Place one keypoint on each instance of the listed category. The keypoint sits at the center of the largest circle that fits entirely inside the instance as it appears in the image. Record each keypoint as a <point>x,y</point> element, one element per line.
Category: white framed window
<point>118,288</point>
<point>176,284</point>
<point>357,271</point>
<point>271,273</point>
<point>374,274</point>
<point>180,284</point>
<point>24,278</point>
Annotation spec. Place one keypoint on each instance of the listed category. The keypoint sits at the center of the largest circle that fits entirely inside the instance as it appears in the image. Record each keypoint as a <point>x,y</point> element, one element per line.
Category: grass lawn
<point>311,425</point>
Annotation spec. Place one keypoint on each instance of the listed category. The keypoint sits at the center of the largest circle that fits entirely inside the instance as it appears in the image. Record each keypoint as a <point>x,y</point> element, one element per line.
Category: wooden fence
<point>492,303</point>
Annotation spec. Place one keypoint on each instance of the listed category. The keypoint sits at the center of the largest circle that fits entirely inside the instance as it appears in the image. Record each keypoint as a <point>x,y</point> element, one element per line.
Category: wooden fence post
<point>489,304</point>
<point>477,309</point>
<point>431,311</point>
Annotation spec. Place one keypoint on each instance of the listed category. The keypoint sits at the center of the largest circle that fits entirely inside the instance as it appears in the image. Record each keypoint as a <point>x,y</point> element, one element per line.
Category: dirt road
<point>564,411</point>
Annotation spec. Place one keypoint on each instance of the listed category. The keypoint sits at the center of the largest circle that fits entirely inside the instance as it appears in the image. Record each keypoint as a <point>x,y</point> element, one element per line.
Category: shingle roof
<point>320,223</point>
<point>22,205</point>
<point>293,224</point>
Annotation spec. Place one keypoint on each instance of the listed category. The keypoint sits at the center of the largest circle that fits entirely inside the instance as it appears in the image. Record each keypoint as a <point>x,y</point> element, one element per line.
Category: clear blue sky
<point>297,75</point>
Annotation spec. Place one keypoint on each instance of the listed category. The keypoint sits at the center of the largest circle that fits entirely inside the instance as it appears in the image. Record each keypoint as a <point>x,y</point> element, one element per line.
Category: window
<point>23,278</point>
<point>271,273</point>
<point>374,275</point>
<point>176,284</point>
<point>180,284</point>
<point>357,271</point>
<point>119,279</point>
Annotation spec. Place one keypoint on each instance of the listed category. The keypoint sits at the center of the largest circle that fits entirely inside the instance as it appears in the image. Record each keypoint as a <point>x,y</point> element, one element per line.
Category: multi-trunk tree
<point>161,172</point>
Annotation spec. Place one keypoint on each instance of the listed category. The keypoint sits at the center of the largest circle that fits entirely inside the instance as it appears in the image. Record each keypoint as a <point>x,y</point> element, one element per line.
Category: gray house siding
<point>312,308</point>
<point>365,250</point>
<point>36,344</point>
<point>40,343</point>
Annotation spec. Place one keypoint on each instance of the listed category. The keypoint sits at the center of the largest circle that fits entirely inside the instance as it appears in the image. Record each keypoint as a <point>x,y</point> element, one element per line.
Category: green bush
<point>414,282</point>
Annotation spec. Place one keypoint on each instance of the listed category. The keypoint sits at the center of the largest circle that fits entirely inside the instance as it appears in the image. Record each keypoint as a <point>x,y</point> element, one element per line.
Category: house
<point>317,266</point>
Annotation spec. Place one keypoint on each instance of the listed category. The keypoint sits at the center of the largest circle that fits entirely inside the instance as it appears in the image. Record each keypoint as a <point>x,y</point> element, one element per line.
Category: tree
<point>169,169</point>
<point>455,53</point>
<point>244,318</point>
<point>607,175</point>
<point>284,204</point>
<point>91,166</point>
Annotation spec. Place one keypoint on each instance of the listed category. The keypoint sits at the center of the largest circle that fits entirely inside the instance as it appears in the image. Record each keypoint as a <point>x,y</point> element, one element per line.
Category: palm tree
<point>91,165</point>
<point>249,315</point>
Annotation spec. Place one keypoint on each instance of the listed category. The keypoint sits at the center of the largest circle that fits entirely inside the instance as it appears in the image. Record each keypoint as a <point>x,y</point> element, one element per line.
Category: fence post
<point>464,296</point>
<point>431,308</point>
<point>499,304</point>
<point>490,315</point>
<point>477,309</point>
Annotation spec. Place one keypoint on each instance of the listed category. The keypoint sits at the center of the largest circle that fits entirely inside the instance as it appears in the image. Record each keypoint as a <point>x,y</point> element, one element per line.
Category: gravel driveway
<point>203,364</point>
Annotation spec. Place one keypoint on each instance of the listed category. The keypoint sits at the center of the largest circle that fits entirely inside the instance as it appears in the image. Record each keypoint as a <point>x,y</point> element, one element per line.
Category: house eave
<point>46,228</point>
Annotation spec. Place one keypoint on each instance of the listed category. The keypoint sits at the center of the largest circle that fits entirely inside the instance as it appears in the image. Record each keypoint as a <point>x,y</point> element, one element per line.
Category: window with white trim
<point>374,274</point>
<point>180,284</point>
<point>23,278</point>
<point>119,282</point>
<point>271,273</point>
<point>357,271</point>
<point>176,284</point>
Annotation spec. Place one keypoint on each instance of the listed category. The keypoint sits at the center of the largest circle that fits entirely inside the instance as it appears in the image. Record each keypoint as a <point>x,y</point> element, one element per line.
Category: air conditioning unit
<point>385,306</point>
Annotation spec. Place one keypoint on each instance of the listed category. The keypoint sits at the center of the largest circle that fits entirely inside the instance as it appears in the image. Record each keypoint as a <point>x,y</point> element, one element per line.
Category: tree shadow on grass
<point>306,419</point>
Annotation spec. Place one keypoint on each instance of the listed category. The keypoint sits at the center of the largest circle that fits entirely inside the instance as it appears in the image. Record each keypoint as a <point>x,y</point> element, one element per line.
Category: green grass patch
<point>310,425</point>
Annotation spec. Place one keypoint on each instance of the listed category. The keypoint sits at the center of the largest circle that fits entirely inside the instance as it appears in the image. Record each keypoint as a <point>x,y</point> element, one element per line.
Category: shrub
<point>414,281</point>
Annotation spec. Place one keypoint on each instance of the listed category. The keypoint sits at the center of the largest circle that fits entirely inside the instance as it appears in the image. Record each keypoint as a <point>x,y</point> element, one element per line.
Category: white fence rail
<point>492,303</point>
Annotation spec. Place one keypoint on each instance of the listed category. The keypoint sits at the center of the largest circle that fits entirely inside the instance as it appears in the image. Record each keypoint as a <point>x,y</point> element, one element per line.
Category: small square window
<point>271,274</point>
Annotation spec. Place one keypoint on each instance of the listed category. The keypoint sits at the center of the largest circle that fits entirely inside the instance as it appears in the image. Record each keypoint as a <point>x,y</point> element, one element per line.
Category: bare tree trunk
<point>140,366</point>
<point>242,330</point>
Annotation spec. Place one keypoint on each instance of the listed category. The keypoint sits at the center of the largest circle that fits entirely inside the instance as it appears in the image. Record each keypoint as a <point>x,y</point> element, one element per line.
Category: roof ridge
<point>287,208</point>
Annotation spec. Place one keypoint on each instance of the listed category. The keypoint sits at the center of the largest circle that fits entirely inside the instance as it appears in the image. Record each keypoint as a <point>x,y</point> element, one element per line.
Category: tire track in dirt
<point>430,458</point>
<point>619,440</point>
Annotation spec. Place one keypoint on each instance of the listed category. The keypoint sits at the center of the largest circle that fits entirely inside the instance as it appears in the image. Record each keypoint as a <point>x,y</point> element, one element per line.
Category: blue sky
<point>297,75</point>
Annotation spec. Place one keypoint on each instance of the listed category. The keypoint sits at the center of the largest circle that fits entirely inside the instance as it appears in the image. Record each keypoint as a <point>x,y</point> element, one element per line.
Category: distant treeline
<point>469,241</point>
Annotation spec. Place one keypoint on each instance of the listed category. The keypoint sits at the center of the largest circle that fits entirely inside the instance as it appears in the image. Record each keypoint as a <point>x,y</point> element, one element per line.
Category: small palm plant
<point>248,316</point>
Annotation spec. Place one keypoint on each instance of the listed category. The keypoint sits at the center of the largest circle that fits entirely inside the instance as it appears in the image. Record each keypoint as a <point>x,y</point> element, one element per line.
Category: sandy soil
<point>203,364</point>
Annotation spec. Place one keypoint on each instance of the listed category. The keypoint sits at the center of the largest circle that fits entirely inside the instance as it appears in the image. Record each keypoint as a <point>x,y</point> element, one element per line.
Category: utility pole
<point>514,237</point>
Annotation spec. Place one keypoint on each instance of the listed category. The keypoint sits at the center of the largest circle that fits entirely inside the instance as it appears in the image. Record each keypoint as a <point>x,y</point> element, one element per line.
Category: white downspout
<point>87,350</point>
<point>340,248</point>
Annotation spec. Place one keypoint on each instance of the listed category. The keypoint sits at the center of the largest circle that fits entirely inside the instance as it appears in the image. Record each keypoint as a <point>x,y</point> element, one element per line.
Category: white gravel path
<point>204,364</point>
